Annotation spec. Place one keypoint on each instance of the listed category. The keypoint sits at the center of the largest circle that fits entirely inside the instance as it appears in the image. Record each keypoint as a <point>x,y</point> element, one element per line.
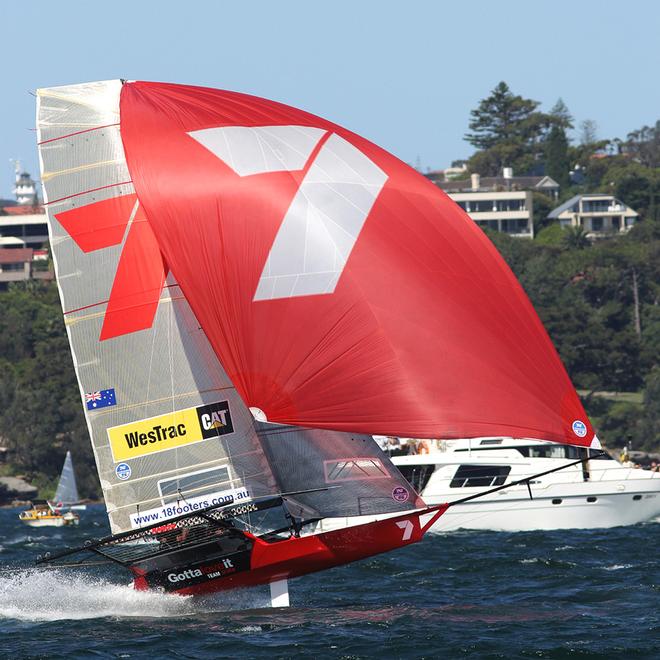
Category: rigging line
<point>466,518</point>
<point>526,479</point>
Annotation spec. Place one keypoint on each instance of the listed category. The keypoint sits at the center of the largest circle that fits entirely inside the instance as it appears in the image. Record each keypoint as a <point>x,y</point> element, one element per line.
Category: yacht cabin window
<point>471,476</point>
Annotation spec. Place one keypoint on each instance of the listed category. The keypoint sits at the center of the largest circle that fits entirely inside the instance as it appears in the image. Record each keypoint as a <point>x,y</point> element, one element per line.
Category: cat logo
<point>212,421</point>
<point>215,419</point>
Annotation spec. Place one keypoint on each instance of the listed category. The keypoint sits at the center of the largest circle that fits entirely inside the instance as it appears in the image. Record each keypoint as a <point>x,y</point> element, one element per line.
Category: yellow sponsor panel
<point>149,436</point>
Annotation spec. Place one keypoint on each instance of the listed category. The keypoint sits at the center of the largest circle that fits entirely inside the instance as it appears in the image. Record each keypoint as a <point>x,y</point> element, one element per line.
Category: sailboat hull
<point>49,520</point>
<point>261,561</point>
<point>55,521</point>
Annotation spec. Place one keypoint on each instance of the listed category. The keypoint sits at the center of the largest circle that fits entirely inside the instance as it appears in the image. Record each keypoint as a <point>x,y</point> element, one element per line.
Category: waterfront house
<point>598,214</point>
<point>502,203</point>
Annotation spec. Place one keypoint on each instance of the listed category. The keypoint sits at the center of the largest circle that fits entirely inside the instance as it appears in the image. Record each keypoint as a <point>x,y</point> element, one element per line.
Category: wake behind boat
<point>601,492</point>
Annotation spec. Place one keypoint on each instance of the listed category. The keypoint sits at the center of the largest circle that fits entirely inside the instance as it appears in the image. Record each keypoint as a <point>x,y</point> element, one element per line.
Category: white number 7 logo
<point>407,528</point>
<point>327,213</point>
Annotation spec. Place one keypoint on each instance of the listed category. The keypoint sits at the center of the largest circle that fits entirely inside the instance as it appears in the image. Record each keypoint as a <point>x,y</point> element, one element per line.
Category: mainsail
<point>170,432</point>
<point>67,490</point>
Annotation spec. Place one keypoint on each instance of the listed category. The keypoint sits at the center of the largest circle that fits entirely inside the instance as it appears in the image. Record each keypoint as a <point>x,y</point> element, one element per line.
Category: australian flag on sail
<point>101,399</point>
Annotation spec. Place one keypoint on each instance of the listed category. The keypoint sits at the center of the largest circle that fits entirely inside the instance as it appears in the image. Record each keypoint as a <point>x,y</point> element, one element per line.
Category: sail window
<point>471,476</point>
<point>350,469</point>
<point>197,483</point>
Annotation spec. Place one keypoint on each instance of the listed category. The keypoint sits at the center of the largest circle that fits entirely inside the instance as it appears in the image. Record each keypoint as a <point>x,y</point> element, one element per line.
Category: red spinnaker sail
<point>339,288</point>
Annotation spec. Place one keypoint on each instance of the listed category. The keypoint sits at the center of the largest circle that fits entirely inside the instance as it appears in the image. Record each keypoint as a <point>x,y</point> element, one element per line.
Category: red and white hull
<point>263,562</point>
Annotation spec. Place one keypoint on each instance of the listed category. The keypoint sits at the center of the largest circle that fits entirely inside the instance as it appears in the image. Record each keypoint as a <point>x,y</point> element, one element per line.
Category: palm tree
<point>575,238</point>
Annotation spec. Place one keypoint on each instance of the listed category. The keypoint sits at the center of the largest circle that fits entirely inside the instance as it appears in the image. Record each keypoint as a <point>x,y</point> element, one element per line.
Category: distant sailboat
<point>57,512</point>
<point>66,495</point>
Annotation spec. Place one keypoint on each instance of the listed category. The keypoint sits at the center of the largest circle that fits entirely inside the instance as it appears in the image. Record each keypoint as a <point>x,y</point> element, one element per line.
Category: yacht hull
<point>559,510</point>
<point>603,493</point>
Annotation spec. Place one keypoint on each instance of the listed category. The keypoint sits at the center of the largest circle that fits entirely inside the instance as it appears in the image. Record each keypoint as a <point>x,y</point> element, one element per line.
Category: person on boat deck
<point>424,446</point>
<point>393,444</point>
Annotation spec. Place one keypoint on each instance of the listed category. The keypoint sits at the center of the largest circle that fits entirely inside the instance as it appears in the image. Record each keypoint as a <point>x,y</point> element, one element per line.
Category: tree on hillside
<point>588,132</point>
<point>575,238</point>
<point>507,129</point>
<point>561,116</point>
<point>644,145</point>
<point>40,410</point>
<point>583,155</point>
<point>634,184</point>
<point>557,164</point>
<point>650,421</point>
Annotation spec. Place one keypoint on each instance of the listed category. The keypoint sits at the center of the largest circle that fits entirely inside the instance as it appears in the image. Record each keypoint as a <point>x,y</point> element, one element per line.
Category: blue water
<point>569,594</point>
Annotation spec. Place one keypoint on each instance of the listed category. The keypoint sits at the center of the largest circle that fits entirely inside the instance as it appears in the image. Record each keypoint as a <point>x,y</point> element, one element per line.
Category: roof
<point>16,255</point>
<point>554,214</point>
<point>24,209</point>
<point>491,183</point>
<point>573,201</point>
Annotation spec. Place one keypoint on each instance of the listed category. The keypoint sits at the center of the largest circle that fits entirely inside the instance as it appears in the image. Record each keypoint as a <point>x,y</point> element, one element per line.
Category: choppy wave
<point>591,593</point>
<point>53,595</point>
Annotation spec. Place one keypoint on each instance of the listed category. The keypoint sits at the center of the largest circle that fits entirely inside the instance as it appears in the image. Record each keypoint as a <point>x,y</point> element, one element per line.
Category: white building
<point>23,226</point>
<point>598,214</point>
<point>25,188</point>
<point>23,222</point>
<point>501,203</point>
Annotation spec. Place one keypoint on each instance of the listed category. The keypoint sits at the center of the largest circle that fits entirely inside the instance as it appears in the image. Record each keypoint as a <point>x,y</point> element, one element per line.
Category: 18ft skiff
<point>250,292</point>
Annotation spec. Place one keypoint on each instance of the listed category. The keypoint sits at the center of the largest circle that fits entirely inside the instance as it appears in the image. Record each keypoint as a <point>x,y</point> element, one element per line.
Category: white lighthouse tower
<point>25,188</point>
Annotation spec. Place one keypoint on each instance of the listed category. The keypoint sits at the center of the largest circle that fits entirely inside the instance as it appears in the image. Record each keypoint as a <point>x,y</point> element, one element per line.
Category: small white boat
<point>43,514</point>
<point>599,493</point>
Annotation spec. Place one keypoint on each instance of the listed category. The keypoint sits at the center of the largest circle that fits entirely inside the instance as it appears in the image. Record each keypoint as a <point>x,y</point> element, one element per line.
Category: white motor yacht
<point>598,493</point>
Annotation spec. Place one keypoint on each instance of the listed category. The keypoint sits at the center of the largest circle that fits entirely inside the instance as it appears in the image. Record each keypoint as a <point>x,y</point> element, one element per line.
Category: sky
<point>403,74</point>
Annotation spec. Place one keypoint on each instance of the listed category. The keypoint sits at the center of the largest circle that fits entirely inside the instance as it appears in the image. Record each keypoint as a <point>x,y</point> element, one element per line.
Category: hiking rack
<point>184,532</point>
